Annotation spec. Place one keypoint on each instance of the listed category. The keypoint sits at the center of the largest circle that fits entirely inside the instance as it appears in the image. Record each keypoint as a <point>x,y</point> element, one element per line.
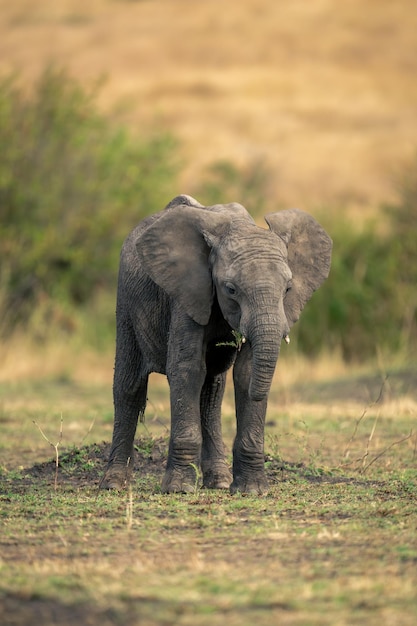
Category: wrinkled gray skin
<point>188,276</point>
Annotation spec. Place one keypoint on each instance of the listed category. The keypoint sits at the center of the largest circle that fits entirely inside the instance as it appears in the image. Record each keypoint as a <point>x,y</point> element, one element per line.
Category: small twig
<point>55,446</point>
<point>129,509</point>
<point>368,443</point>
<point>358,421</point>
<point>197,477</point>
<point>378,456</point>
<point>364,457</point>
<point>88,431</point>
<point>154,418</point>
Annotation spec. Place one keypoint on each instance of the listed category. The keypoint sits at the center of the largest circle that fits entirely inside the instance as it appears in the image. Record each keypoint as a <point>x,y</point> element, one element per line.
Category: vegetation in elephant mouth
<point>238,341</point>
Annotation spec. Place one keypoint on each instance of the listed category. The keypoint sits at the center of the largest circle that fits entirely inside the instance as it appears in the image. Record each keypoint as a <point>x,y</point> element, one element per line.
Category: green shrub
<point>352,310</point>
<point>369,302</point>
<point>71,187</point>
<point>403,240</point>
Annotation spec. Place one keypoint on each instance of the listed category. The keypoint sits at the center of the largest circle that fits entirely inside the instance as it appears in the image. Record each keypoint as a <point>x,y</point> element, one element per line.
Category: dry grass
<point>76,385</point>
<point>24,359</point>
<point>324,92</point>
<point>333,542</point>
<point>329,545</point>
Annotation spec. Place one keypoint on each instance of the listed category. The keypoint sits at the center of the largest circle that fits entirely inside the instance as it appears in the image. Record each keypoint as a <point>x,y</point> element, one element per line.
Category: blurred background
<point>109,108</point>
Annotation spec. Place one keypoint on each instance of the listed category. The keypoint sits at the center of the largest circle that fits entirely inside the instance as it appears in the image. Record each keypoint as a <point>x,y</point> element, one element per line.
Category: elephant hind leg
<point>216,472</point>
<point>128,405</point>
<point>129,395</point>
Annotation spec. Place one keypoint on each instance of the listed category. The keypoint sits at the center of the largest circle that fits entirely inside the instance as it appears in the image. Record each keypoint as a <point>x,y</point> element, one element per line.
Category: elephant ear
<point>174,252</point>
<point>309,254</point>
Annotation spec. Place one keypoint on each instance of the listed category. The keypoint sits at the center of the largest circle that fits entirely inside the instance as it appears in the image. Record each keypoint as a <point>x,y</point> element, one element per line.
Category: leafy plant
<point>368,304</point>
<point>238,341</point>
<point>71,187</point>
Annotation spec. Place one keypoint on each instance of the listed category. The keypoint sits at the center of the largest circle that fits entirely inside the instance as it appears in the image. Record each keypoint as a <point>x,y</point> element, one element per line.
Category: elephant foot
<point>254,485</point>
<point>116,477</point>
<point>217,477</point>
<point>180,480</point>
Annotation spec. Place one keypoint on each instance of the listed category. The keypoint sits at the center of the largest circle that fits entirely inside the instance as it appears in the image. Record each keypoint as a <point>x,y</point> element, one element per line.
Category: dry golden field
<point>324,92</point>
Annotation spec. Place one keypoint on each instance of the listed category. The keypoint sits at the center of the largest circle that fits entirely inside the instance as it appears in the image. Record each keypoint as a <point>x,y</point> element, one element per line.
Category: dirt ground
<point>333,542</point>
<point>25,608</point>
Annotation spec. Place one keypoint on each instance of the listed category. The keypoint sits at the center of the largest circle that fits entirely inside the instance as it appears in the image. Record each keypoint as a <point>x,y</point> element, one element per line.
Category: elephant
<point>202,289</point>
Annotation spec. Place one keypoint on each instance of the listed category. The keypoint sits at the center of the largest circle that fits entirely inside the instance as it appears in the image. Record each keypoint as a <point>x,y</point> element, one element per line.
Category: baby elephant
<point>201,289</point>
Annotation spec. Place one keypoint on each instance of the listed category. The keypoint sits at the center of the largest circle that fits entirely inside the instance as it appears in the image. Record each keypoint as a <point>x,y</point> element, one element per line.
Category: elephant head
<point>261,278</point>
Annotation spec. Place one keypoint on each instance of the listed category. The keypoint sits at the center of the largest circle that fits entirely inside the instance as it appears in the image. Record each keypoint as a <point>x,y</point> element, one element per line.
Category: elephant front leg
<point>248,449</point>
<point>216,473</point>
<point>186,378</point>
<point>183,465</point>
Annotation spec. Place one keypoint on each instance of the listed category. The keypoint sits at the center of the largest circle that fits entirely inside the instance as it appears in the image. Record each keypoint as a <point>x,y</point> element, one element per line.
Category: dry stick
<point>55,446</point>
<point>155,417</point>
<point>88,431</point>
<point>358,421</point>
<point>129,508</point>
<point>378,456</point>
<point>129,502</point>
<point>368,443</point>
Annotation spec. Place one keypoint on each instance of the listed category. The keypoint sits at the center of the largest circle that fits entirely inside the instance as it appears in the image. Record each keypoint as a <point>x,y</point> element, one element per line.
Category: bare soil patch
<point>84,467</point>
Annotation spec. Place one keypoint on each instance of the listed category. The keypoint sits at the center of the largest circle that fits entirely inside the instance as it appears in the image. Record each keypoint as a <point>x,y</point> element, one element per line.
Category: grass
<point>332,543</point>
<point>325,95</point>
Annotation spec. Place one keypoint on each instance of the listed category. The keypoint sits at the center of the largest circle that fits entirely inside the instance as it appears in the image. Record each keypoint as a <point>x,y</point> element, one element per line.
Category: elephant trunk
<point>265,341</point>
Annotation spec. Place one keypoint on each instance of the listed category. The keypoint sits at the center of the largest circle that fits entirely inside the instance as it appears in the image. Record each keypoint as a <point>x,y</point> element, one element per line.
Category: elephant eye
<point>230,289</point>
<point>289,285</point>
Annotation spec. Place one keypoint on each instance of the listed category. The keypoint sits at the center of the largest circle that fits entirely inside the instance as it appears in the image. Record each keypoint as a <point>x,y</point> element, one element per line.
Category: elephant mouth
<point>238,340</point>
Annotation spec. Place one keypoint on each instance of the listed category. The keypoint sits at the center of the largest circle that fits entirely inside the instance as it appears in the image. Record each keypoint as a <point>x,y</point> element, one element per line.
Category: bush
<point>71,187</point>
<point>352,310</point>
<point>369,302</point>
<point>403,238</point>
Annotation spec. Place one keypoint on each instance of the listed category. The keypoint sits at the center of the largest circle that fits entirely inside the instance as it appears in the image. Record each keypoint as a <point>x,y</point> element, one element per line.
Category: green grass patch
<point>332,543</point>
